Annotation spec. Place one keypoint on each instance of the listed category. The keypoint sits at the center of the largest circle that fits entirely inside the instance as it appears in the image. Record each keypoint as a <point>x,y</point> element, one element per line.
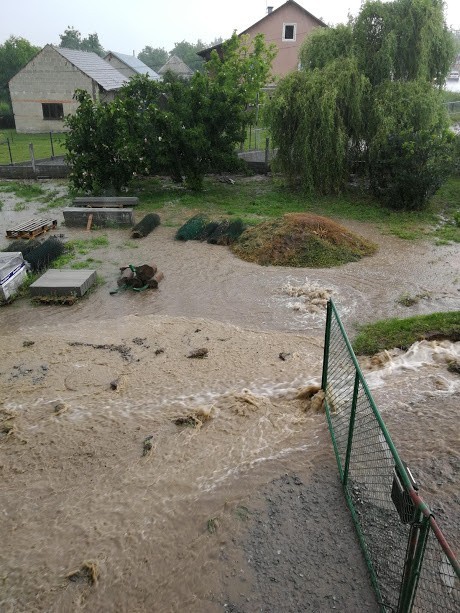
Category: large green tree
<point>154,57</point>
<point>15,53</point>
<point>188,53</point>
<point>72,39</point>
<point>368,101</point>
<point>182,127</point>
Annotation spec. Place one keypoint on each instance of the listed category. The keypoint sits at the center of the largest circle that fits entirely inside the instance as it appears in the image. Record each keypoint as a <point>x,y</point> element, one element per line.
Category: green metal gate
<point>411,565</point>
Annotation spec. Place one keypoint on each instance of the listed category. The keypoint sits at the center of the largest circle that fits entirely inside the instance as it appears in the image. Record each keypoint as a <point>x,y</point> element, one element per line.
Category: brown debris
<point>199,353</point>
<point>87,573</point>
<point>147,445</point>
<point>138,277</point>
<point>313,397</point>
<point>196,419</point>
<point>60,407</point>
<point>306,393</point>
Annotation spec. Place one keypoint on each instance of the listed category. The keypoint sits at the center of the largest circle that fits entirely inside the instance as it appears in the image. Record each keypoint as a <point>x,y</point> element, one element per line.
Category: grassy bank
<point>402,333</point>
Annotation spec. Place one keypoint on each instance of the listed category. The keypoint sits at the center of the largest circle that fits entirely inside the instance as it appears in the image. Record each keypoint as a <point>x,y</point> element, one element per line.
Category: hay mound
<point>301,239</point>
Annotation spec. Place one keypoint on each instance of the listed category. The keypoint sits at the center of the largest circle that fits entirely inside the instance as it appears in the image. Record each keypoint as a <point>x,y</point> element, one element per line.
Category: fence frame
<point>423,522</point>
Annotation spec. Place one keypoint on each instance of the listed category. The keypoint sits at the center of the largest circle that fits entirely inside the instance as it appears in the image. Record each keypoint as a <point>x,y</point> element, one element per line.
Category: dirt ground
<point>109,505</point>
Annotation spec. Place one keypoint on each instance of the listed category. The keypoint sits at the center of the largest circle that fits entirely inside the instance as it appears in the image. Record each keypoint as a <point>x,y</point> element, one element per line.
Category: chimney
<point>269,10</point>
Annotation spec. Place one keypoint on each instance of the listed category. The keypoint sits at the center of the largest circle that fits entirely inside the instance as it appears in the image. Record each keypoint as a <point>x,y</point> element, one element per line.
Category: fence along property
<point>411,565</point>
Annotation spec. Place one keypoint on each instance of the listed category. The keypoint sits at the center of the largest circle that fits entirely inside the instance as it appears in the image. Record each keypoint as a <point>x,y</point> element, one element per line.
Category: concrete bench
<point>105,201</point>
<point>63,283</point>
<point>77,217</point>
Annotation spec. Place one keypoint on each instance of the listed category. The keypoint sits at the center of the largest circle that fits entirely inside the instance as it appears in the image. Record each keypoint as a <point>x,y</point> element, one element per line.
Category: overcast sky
<point>131,26</point>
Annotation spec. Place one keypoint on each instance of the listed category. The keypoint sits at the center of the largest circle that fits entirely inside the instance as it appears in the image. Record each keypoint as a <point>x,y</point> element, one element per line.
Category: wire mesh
<point>375,482</point>
<point>438,586</point>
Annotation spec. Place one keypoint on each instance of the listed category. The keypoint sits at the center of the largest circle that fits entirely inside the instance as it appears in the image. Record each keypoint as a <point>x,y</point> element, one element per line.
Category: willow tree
<point>338,112</point>
<point>314,117</point>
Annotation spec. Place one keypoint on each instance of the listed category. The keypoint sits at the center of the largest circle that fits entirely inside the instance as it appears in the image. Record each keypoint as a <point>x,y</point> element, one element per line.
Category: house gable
<point>130,65</point>
<point>42,93</point>
<point>286,27</point>
<point>177,66</point>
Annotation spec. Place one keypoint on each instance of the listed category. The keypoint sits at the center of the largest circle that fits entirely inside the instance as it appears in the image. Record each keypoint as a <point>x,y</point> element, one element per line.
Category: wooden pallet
<point>32,228</point>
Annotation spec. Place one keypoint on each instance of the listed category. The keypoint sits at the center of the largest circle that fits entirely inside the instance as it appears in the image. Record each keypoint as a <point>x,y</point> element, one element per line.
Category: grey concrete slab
<point>102,217</point>
<point>106,201</point>
<point>60,282</point>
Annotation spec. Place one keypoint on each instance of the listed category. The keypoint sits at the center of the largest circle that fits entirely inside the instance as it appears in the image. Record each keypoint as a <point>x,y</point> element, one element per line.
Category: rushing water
<point>73,483</point>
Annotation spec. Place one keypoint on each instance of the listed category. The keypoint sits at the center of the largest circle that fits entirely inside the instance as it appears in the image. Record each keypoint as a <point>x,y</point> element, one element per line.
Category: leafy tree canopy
<point>71,39</point>
<point>368,101</point>
<point>155,58</point>
<point>15,53</point>
<point>188,53</point>
<point>181,127</point>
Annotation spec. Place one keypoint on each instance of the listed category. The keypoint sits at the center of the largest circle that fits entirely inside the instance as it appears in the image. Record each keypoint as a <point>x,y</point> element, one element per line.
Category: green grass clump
<point>78,247</point>
<point>402,333</point>
<point>26,191</point>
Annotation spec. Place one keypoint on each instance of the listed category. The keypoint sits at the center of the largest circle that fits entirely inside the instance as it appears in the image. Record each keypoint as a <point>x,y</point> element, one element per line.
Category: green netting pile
<point>24,246</point>
<point>41,257</point>
<point>193,229</point>
<point>226,232</point>
<point>200,228</point>
<point>146,225</point>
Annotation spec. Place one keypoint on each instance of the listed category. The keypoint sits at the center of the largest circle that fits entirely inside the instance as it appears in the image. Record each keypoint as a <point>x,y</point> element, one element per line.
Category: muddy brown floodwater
<point>108,505</point>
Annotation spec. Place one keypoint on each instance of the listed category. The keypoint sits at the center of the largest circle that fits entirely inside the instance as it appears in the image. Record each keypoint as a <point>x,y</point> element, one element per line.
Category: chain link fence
<point>411,565</point>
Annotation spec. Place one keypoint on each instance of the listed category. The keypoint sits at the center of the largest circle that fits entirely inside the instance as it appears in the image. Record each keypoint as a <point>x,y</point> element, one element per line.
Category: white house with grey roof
<point>42,93</point>
<point>130,65</point>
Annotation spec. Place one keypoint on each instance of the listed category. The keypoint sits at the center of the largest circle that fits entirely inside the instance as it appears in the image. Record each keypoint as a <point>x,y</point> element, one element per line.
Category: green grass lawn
<point>402,333</point>
<point>19,145</point>
<point>260,200</point>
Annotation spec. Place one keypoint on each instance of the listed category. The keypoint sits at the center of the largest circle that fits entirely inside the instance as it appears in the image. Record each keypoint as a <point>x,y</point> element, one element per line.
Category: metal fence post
<point>32,156</point>
<point>9,151</point>
<point>414,558</point>
<point>52,146</point>
<point>351,429</point>
<point>327,339</point>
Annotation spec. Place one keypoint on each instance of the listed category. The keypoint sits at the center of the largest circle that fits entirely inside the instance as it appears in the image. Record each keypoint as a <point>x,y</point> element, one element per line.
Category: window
<point>289,31</point>
<point>53,110</point>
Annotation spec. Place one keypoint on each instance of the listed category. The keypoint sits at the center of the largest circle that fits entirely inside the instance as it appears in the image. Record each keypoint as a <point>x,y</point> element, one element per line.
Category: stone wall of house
<point>47,78</point>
